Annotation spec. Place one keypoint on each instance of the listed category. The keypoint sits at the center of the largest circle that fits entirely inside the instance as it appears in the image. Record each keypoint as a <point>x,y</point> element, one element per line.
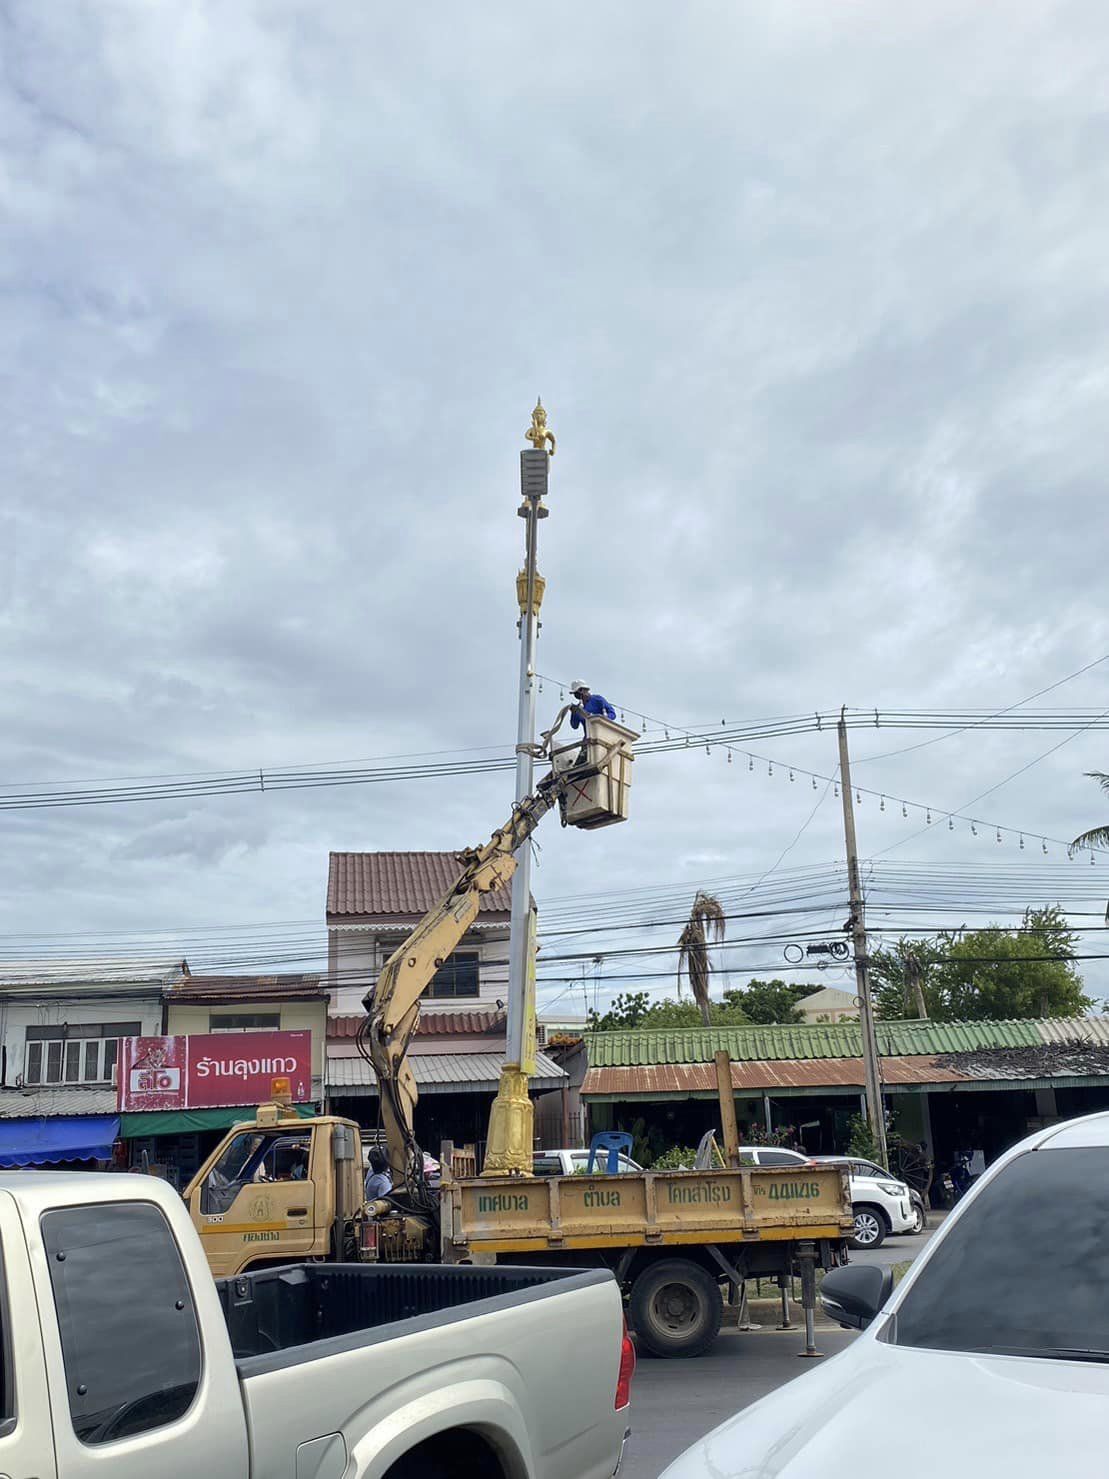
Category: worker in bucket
<point>588,703</point>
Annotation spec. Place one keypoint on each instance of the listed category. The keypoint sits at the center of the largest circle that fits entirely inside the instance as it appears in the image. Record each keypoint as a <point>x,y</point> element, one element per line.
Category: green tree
<point>634,1009</point>
<point>627,1010</point>
<point>991,973</point>
<point>891,978</point>
<point>768,1001</point>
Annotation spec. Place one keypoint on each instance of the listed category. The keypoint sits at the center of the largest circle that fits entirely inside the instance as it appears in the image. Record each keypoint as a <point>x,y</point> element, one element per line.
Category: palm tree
<point>1096,836</point>
<point>706,918</point>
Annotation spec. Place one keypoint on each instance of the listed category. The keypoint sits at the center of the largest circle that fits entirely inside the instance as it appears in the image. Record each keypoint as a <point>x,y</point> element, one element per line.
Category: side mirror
<point>852,1296</point>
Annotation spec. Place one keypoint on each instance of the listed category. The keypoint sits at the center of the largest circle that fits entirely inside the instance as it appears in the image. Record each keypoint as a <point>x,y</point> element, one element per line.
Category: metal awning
<point>441,1073</point>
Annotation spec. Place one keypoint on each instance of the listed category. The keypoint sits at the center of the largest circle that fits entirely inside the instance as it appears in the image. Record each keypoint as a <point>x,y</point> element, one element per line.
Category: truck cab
<point>278,1189</point>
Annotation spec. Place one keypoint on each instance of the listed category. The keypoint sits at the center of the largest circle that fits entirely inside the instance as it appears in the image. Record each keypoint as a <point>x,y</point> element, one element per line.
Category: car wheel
<point>675,1308</point>
<point>870,1228</point>
<point>918,1220</point>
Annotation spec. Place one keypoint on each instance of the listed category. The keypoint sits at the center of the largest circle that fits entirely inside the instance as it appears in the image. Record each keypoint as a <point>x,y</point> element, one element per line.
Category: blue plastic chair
<point>612,1141</point>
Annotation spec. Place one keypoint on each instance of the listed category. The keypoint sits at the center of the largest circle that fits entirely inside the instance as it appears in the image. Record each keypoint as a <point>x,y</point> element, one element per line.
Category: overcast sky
<point>816,295</point>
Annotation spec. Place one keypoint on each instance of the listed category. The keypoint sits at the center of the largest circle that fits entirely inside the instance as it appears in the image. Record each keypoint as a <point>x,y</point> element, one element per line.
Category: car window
<point>864,1168</point>
<point>546,1165</point>
<point>1025,1269</point>
<point>780,1158</point>
<point>130,1343</point>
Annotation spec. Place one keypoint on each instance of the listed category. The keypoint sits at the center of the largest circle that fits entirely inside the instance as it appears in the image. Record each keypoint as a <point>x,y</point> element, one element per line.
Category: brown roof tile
<point>431,1024</point>
<point>292,987</point>
<point>388,884</point>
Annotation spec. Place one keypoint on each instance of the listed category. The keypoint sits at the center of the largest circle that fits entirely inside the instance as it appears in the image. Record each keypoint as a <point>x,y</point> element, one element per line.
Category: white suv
<point>882,1204</point>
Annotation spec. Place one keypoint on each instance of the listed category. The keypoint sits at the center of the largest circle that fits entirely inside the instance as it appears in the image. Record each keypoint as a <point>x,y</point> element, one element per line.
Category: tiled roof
<point>640,1046</point>
<point>291,987</point>
<point>431,1024</point>
<point>57,1100</point>
<point>441,1073</point>
<point>391,884</point>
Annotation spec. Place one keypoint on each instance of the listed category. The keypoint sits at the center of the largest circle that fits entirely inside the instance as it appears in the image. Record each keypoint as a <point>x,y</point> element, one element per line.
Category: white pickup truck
<point>120,1358</point>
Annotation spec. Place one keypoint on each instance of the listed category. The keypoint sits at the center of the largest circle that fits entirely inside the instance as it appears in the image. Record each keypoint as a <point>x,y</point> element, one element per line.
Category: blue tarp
<point>45,1141</point>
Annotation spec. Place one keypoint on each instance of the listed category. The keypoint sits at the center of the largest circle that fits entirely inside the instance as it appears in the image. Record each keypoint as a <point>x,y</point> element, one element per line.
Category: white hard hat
<point>577,685</point>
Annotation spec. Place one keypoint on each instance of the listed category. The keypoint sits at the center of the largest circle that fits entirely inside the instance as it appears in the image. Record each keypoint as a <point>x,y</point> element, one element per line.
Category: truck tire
<point>870,1227</point>
<point>675,1308</point>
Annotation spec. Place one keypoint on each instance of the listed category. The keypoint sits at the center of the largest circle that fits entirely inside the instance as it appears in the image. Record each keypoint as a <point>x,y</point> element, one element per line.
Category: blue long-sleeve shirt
<point>596,703</point>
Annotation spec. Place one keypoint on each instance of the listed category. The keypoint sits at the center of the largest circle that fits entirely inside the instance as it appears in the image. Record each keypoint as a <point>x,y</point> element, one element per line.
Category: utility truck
<point>674,1240</point>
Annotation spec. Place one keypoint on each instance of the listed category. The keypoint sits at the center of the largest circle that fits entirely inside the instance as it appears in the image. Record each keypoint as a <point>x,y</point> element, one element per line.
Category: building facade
<point>374,899</point>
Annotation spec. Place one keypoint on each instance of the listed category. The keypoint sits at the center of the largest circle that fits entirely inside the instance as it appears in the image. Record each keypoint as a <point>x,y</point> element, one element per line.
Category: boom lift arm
<point>393,1006</point>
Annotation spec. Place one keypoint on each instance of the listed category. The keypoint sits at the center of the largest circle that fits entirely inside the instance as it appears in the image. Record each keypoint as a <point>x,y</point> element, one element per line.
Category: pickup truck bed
<point>120,1356</point>
<point>300,1309</point>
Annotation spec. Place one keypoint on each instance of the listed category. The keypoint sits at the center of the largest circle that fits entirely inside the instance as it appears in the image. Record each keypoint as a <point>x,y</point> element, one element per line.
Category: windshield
<point>1025,1270</point>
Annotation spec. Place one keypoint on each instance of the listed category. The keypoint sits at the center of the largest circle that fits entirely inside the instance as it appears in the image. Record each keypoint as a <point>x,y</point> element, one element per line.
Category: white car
<point>772,1155</point>
<point>571,1162</point>
<point>1000,1330</point>
<point>882,1203</point>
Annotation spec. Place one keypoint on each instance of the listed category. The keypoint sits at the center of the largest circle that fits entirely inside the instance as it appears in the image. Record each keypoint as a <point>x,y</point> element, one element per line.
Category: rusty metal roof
<point>755,1077</point>
<point>388,885</point>
<point>290,987</point>
<point>641,1046</point>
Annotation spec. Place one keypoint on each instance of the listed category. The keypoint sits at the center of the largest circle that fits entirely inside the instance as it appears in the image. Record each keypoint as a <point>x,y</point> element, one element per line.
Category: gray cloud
<point>816,297</point>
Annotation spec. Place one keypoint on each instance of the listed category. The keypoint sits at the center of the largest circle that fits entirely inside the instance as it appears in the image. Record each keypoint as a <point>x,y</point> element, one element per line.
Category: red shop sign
<point>214,1069</point>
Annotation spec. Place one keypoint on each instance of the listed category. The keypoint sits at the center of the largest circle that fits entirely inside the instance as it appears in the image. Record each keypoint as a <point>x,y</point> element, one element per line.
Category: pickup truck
<point>121,1356</point>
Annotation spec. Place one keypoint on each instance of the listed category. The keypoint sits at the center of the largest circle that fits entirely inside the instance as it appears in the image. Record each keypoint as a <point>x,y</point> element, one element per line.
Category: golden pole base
<point>508,1150</point>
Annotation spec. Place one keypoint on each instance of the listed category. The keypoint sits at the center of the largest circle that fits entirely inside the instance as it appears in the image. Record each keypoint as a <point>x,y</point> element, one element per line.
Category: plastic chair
<point>612,1141</point>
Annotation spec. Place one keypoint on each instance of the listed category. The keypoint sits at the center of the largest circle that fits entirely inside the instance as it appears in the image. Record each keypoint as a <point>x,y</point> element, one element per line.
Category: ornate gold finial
<point>539,433</point>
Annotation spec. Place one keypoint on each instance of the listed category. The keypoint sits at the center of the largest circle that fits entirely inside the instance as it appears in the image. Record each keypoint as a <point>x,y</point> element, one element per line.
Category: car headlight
<point>892,1189</point>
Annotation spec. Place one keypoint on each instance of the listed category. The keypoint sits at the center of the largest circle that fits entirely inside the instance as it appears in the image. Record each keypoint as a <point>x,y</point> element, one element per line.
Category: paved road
<point>897,1250</point>
<point>677,1402</point>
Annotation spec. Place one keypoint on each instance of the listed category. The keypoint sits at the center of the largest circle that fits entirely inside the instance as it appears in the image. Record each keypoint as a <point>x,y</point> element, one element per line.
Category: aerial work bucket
<point>600,795</point>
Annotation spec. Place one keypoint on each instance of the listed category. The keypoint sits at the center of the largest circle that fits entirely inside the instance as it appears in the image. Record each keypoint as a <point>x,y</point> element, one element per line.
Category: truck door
<point>26,1442</point>
<point>258,1202</point>
<point>139,1362</point>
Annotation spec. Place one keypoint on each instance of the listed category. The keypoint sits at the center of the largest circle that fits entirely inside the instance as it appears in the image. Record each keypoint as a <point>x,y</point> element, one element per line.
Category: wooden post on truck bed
<point>727,1106</point>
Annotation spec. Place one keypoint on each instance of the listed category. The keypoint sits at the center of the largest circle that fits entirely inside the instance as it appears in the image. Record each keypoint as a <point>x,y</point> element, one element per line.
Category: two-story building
<point>373,902</point>
<point>177,1141</point>
<point>60,1027</point>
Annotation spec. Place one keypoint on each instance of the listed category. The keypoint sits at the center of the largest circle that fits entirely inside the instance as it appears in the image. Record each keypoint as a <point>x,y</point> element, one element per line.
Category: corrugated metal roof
<point>298,987</point>
<point>431,1024</point>
<point>441,1072</point>
<point>1074,1029</point>
<point>755,1077</point>
<point>60,1100</point>
<point>18,973</point>
<point>641,1046</point>
<point>388,884</point>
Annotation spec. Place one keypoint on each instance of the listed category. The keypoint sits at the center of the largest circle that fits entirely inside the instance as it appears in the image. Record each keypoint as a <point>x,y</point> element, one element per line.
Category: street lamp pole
<point>509,1149</point>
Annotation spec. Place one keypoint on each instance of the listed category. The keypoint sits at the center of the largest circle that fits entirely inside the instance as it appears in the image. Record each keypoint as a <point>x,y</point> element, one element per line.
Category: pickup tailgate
<point>389,1357</point>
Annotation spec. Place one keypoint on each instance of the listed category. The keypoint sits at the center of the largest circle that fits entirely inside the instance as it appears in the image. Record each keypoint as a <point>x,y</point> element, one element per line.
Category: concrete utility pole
<point>509,1149</point>
<point>871,1070</point>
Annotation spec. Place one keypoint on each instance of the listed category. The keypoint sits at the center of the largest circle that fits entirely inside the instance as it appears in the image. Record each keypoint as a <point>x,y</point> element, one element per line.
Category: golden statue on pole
<point>539,433</point>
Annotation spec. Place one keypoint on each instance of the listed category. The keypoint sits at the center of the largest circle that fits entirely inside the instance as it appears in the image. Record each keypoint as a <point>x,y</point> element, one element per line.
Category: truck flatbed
<point>644,1209</point>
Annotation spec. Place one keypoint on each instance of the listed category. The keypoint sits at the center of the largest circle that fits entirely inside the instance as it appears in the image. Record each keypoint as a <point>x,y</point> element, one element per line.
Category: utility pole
<point>509,1149</point>
<point>871,1070</point>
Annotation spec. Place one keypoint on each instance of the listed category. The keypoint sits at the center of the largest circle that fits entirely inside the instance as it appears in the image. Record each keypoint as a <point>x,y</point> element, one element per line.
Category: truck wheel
<point>870,1228</point>
<point>675,1308</point>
